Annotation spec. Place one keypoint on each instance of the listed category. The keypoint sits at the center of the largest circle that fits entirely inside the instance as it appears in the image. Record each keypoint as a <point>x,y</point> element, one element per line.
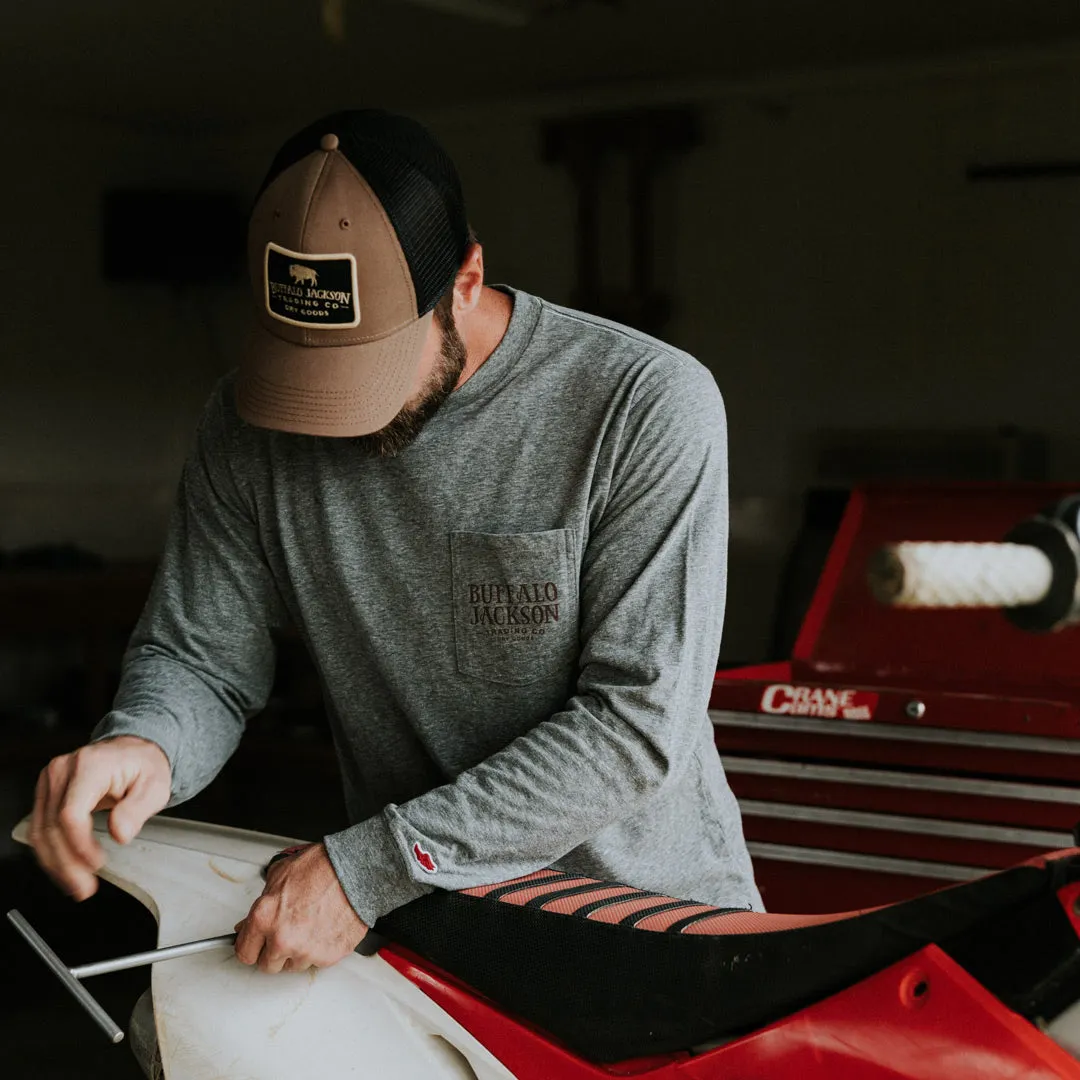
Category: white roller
<point>951,575</point>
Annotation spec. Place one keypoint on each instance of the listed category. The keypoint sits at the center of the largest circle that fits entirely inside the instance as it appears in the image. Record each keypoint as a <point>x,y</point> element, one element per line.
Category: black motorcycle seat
<point>614,972</point>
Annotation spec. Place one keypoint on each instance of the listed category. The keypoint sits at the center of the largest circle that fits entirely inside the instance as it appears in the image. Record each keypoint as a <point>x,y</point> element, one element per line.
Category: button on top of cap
<point>329,142</point>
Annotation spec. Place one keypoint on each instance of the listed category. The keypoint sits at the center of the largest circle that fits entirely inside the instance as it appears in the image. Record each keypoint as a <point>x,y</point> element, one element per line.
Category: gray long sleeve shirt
<point>516,621</point>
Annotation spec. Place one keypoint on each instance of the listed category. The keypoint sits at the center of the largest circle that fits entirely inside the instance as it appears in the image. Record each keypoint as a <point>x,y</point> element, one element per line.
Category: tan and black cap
<point>358,230</point>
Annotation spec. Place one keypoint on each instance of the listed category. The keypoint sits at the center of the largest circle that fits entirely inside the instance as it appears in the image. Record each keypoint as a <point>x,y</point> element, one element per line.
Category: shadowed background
<point>870,237</point>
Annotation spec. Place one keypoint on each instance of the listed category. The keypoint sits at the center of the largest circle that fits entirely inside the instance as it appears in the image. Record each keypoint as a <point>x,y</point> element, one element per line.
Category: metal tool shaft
<point>56,965</point>
<point>70,976</point>
<point>152,956</point>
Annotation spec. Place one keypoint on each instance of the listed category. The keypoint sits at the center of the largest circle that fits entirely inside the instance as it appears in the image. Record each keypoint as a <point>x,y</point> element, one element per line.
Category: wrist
<point>146,748</point>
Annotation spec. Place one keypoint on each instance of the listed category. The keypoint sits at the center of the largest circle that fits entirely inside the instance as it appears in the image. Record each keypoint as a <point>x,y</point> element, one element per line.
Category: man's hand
<point>303,918</point>
<point>128,775</point>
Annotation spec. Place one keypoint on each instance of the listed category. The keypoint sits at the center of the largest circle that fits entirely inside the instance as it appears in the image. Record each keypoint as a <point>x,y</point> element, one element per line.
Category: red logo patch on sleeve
<point>424,859</point>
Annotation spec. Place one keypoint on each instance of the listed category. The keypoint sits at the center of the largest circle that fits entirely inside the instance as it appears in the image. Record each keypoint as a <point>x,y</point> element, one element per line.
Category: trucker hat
<point>357,231</point>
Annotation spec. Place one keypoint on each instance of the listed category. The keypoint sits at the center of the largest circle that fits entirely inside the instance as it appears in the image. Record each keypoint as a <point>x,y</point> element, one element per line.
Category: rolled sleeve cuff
<point>371,867</point>
<point>163,732</point>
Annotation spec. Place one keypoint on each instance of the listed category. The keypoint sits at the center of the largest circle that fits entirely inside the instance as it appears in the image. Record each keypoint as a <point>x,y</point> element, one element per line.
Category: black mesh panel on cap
<point>413,178</point>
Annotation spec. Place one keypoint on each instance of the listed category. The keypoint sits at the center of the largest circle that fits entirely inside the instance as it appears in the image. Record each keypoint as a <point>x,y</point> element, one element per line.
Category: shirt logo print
<point>511,610</point>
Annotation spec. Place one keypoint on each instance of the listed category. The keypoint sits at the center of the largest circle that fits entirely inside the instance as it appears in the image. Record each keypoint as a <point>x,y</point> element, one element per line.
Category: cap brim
<point>328,390</point>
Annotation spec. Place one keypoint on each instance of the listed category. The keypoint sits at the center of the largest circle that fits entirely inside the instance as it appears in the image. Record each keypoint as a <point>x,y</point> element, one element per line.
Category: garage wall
<point>828,259</point>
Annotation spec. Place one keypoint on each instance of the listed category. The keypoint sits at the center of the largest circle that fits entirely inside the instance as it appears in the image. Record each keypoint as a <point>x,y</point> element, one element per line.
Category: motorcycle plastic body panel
<point>395,1017</point>
<point>216,1017</point>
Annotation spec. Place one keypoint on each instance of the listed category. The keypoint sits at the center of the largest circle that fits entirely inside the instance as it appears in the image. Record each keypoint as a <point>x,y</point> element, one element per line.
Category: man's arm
<point>200,662</point>
<point>652,599</point>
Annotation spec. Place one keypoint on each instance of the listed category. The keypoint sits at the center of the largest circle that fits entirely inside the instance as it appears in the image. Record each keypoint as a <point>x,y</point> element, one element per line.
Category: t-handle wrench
<point>70,976</point>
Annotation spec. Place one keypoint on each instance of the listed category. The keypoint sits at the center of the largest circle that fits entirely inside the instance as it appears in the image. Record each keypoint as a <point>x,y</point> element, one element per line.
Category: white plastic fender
<point>216,1017</point>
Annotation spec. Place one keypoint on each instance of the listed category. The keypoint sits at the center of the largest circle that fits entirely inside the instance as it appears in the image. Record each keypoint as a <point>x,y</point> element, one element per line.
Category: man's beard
<point>390,440</point>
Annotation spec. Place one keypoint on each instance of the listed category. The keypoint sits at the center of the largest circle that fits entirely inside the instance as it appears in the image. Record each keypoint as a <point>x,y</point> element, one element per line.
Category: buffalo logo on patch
<point>303,275</point>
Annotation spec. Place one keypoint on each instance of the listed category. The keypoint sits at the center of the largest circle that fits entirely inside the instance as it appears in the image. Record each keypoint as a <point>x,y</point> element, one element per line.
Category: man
<point>499,526</point>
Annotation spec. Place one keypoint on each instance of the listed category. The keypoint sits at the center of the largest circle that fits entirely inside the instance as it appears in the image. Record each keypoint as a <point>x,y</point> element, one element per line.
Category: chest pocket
<point>515,604</point>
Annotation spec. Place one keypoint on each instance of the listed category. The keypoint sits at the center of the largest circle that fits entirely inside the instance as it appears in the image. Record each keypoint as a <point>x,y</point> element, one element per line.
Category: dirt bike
<point>559,977</point>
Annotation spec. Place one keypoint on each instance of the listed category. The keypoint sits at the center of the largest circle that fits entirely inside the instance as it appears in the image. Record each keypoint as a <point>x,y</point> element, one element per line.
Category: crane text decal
<point>783,700</point>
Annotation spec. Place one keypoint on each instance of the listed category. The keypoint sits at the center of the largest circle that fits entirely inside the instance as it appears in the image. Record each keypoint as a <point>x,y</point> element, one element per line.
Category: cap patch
<point>311,290</point>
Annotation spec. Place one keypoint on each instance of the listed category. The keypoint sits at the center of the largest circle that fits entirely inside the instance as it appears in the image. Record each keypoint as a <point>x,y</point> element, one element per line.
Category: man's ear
<point>469,283</point>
